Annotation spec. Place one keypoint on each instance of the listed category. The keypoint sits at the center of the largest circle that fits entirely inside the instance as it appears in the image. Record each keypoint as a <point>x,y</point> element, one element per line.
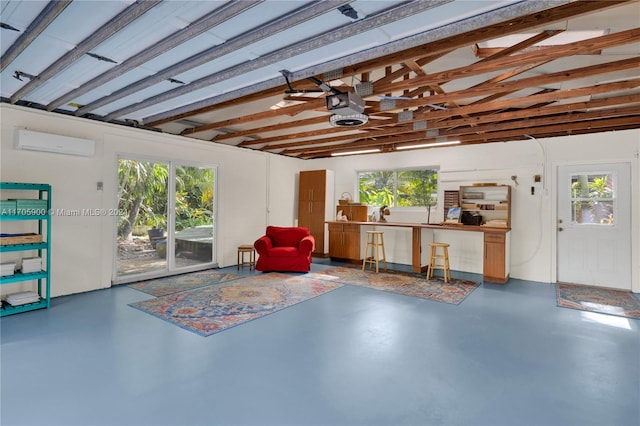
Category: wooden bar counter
<point>344,244</point>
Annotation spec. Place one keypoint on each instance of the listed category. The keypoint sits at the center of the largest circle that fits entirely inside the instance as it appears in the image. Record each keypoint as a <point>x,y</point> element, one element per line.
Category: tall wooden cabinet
<point>316,204</point>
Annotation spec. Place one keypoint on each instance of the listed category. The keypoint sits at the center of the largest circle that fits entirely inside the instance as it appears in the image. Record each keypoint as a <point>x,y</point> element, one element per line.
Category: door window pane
<point>593,199</point>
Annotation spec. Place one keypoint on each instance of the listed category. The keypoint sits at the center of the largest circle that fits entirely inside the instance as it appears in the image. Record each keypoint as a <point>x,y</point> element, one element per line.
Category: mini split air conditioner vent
<point>47,142</point>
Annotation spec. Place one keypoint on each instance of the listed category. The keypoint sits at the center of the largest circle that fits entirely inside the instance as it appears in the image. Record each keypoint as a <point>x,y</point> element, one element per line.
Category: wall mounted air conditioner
<point>47,142</point>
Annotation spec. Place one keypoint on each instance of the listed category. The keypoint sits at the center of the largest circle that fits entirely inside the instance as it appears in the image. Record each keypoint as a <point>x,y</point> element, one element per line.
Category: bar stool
<point>375,240</point>
<point>444,257</point>
<point>245,248</point>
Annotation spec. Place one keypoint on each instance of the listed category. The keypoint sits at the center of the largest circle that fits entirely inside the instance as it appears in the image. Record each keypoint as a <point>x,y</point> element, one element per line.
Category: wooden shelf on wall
<point>491,202</point>
<point>451,199</point>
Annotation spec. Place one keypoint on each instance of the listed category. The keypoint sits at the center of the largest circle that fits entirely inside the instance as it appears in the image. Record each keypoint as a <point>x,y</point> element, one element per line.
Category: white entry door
<point>594,225</point>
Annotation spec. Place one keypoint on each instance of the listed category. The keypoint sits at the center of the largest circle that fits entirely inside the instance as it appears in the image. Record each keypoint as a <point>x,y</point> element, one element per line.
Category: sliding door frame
<point>170,268</point>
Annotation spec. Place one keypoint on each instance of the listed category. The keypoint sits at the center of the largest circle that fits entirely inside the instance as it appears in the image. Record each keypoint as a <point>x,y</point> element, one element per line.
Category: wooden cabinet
<point>315,205</point>
<point>344,241</point>
<point>491,202</point>
<point>354,213</point>
<point>496,257</point>
<point>344,237</point>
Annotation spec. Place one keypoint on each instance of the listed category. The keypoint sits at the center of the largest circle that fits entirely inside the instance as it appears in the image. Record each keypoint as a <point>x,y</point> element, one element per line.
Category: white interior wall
<point>533,235</point>
<point>283,190</point>
<point>611,147</point>
<point>256,189</point>
<point>460,166</point>
<point>82,251</point>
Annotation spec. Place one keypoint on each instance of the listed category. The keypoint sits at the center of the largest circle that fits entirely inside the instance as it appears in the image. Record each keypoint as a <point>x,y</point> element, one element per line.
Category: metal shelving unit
<point>43,248</point>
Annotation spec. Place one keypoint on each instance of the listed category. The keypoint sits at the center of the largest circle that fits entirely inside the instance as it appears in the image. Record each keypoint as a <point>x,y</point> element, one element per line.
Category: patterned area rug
<point>597,299</point>
<point>176,283</point>
<point>414,285</point>
<point>208,310</point>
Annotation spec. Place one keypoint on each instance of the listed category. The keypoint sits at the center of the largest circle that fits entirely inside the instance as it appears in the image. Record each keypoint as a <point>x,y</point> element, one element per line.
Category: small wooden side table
<point>245,248</point>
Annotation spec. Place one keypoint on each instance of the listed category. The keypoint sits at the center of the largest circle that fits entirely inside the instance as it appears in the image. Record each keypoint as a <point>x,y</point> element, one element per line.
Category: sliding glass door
<point>167,218</point>
<point>142,204</point>
<point>193,215</point>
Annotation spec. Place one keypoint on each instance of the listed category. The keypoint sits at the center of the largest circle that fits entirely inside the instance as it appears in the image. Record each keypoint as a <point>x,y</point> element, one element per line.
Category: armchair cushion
<point>286,237</point>
<point>285,249</point>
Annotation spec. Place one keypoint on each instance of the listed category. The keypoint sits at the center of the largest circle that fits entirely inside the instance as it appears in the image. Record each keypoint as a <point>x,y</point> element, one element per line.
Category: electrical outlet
<point>99,186</point>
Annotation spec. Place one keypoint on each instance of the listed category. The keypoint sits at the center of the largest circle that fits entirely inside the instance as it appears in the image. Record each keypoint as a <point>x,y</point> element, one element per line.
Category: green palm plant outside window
<point>593,199</point>
<point>399,188</point>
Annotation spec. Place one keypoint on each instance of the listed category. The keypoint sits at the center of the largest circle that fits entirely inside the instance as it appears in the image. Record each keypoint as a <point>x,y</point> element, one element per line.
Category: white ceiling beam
<point>390,15</point>
<point>277,25</point>
<point>465,25</point>
<point>35,28</point>
<point>210,20</point>
<point>123,19</point>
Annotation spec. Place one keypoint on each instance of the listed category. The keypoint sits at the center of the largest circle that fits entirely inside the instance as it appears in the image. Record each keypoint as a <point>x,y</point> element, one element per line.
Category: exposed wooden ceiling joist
<point>417,84</point>
<point>448,44</point>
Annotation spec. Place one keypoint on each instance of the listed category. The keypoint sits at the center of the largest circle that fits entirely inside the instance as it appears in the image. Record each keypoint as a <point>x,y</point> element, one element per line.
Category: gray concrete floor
<point>507,355</point>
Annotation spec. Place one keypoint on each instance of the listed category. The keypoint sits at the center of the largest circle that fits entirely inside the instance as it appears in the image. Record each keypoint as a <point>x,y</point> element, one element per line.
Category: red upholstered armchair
<point>285,249</point>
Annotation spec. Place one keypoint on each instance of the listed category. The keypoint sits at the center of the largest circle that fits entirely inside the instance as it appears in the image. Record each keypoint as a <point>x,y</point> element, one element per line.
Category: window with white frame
<point>593,198</point>
<point>399,188</point>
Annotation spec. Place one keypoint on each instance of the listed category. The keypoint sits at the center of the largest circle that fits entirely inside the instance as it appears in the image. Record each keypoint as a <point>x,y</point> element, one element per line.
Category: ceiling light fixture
<point>362,151</point>
<point>427,145</point>
<point>347,107</point>
<point>351,120</point>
